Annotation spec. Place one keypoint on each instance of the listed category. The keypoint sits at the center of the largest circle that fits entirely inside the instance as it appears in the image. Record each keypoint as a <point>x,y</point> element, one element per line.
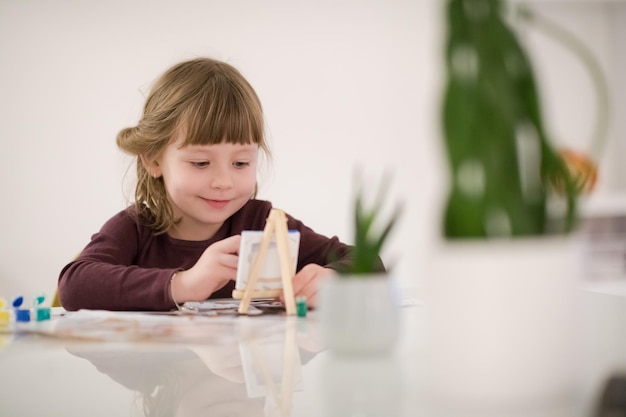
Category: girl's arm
<point>127,267</point>
<point>103,275</point>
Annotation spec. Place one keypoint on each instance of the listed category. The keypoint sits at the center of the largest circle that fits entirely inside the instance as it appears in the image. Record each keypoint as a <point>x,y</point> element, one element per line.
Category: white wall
<point>344,83</point>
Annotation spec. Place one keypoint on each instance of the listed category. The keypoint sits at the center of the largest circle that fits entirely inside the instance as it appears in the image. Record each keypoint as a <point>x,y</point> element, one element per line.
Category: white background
<point>345,84</point>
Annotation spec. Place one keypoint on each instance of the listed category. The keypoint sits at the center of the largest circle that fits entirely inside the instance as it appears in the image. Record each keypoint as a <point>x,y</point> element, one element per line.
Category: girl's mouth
<point>218,204</point>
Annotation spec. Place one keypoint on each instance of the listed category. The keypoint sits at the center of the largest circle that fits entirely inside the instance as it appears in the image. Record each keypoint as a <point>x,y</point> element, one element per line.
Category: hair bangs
<point>223,113</point>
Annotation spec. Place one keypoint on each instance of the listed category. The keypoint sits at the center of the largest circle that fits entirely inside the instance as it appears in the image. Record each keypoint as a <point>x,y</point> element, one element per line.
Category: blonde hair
<point>207,99</point>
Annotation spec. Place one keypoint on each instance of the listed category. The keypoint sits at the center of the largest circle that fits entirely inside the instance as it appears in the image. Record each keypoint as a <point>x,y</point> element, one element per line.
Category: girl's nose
<point>221,179</point>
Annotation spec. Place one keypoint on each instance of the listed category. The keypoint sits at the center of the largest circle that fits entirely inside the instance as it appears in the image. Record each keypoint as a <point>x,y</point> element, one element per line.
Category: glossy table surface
<point>268,365</point>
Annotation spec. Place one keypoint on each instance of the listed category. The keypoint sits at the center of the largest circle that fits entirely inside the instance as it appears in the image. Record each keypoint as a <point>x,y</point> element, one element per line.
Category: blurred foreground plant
<point>504,168</point>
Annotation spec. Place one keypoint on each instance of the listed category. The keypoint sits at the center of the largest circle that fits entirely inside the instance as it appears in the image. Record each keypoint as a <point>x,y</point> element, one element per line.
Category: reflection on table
<point>251,374</point>
<point>267,366</point>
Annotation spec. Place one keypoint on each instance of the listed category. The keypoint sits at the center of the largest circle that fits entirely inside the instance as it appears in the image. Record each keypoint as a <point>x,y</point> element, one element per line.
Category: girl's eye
<point>201,164</point>
<point>241,164</point>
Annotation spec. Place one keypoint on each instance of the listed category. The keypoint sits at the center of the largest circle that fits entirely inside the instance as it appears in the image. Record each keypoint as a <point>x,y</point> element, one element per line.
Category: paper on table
<point>132,326</point>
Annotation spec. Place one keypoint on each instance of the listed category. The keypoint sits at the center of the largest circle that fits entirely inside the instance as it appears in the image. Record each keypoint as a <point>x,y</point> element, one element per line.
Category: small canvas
<point>269,276</point>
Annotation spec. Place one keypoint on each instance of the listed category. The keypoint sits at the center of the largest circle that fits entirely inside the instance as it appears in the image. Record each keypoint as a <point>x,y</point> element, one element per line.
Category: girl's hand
<point>307,282</point>
<point>215,267</point>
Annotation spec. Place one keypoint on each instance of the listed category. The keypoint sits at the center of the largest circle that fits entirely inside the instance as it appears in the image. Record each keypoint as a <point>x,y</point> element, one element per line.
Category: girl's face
<point>206,184</point>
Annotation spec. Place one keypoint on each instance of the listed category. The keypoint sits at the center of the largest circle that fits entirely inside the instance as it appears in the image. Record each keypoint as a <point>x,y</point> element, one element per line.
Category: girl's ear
<point>151,165</point>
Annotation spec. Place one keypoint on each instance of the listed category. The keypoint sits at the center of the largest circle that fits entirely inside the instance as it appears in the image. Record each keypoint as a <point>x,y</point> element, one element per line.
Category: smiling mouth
<point>216,203</point>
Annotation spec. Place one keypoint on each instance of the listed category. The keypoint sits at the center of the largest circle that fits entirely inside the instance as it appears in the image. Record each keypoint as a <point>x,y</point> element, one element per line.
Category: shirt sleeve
<point>103,275</point>
<point>322,250</point>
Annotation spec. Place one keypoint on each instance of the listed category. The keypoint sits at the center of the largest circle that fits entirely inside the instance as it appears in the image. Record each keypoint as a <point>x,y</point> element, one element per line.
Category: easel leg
<point>256,267</point>
<point>287,384</point>
<point>286,272</point>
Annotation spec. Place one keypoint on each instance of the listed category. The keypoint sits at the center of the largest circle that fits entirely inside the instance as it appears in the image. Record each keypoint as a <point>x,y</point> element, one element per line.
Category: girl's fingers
<point>228,245</point>
<point>229,261</point>
<point>307,282</point>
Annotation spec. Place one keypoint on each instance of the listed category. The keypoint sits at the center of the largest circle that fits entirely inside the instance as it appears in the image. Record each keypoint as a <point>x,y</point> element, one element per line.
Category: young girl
<point>197,145</point>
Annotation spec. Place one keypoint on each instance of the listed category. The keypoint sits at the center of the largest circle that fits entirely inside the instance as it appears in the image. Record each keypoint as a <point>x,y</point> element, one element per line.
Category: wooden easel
<point>276,225</point>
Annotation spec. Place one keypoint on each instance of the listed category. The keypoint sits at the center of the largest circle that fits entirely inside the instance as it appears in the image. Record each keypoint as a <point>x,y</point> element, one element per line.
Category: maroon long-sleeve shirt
<point>126,267</point>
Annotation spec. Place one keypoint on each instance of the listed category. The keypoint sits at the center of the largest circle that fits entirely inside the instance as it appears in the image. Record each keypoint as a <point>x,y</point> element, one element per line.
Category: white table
<point>58,377</point>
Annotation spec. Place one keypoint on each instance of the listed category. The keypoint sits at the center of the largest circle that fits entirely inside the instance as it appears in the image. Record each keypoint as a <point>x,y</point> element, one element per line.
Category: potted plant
<point>501,294</point>
<point>358,307</point>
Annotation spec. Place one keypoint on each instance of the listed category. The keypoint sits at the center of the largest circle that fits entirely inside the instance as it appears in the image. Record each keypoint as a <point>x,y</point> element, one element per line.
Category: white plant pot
<point>501,321</point>
<point>358,314</point>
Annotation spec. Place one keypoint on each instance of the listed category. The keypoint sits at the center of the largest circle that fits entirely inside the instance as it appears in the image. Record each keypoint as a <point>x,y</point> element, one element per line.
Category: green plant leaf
<point>369,235</point>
